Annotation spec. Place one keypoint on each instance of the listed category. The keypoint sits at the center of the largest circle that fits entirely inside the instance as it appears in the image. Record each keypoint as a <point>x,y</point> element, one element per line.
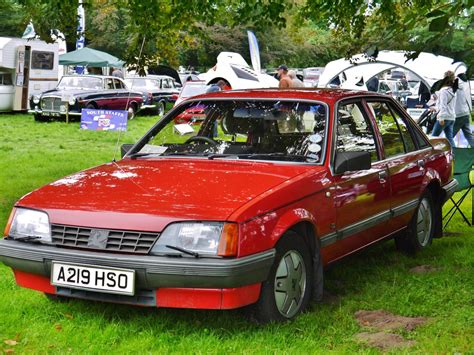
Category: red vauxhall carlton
<point>246,207</point>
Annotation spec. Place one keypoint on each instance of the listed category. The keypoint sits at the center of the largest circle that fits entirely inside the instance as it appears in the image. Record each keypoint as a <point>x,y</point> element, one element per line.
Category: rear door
<point>404,155</point>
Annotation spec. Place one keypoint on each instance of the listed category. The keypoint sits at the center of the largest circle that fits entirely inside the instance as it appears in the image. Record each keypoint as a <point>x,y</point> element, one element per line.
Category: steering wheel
<point>201,138</point>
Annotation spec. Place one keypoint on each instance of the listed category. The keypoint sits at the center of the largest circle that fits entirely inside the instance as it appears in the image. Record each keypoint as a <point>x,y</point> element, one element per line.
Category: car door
<point>121,95</point>
<point>362,198</point>
<point>405,158</point>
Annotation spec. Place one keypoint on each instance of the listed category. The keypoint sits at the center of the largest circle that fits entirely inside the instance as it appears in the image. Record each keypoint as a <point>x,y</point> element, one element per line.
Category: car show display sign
<point>104,120</point>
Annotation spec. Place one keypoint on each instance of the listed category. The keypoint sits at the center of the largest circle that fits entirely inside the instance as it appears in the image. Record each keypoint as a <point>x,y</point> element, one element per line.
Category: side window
<point>118,84</point>
<point>109,84</point>
<point>395,135</point>
<point>166,84</point>
<point>354,131</point>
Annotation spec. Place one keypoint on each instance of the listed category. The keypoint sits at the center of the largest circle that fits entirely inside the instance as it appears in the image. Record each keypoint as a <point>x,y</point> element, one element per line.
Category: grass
<point>33,154</point>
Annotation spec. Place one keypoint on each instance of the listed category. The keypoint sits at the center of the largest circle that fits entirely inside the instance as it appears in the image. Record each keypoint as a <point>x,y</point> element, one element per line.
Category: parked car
<point>75,92</point>
<point>311,76</point>
<point>395,88</point>
<point>245,208</point>
<point>158,91</point>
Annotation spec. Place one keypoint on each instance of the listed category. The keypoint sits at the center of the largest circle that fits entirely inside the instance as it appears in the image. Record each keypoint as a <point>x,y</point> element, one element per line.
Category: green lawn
<point>32,154</point>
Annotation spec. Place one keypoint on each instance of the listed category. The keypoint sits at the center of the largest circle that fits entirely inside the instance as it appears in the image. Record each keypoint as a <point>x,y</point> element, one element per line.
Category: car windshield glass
<point>142,83</point>
<point>78,82</point>
<point>265,130</point>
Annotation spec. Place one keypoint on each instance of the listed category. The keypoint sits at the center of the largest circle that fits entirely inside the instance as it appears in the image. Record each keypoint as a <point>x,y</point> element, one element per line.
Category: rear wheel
<point>421,228</point>
<point>287,291</point>
<point>131,112</point>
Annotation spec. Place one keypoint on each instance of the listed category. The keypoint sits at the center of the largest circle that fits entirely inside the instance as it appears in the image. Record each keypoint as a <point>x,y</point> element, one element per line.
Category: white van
<point>27,67</point>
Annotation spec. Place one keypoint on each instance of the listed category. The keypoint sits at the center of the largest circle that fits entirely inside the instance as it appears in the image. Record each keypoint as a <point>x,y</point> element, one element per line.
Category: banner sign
<point>104,120</point>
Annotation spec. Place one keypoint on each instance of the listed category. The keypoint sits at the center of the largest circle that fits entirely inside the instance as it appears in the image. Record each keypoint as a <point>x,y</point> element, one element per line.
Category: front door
<point>362,198</point>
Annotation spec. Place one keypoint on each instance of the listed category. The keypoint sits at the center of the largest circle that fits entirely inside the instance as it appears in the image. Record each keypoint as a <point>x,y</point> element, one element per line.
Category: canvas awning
<point>90,57</point>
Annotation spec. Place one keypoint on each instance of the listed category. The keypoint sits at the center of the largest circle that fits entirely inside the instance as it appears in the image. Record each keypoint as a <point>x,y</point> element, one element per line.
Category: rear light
<point>9,223</point>
<point>174,97</point>
<point>228,242</point>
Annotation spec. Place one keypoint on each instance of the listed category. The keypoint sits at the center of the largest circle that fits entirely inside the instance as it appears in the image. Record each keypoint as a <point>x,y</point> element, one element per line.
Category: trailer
<point>27,67</point>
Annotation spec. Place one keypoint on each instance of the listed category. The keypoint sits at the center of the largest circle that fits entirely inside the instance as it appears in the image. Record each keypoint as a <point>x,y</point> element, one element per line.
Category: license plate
<point>51,114</point>
<point>91,278</point>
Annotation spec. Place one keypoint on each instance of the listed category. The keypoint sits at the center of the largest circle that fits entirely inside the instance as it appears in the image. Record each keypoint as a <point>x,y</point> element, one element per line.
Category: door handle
<point>383,175</point>
<point>421,163</point>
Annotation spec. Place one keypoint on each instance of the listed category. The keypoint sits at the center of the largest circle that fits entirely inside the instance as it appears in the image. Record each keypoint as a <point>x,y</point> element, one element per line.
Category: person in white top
<point>446,100</point>
<point>295,82</point>
<point>463,109</point>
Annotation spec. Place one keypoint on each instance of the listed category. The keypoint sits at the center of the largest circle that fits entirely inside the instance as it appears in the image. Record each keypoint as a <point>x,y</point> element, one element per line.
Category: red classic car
<point>244,208</point>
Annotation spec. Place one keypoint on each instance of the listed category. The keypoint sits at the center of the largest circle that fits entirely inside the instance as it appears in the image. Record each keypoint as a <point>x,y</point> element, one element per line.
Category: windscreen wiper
<point>260,156</point>
<point>182,250</point>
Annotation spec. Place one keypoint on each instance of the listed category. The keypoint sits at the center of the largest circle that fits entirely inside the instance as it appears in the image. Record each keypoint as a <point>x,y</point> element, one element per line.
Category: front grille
<point>52,104</point>
<point>108,240</point>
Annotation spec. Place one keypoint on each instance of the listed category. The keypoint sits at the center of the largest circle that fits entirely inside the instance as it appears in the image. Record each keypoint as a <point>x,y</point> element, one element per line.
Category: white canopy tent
<point>427,67</point>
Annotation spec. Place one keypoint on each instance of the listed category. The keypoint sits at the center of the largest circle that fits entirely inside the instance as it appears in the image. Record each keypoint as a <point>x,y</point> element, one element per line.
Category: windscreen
<point>268,130</point>
<point>80,82</point>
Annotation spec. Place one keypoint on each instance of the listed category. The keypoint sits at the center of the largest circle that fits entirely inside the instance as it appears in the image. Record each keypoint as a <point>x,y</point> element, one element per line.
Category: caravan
<point>27,67</point>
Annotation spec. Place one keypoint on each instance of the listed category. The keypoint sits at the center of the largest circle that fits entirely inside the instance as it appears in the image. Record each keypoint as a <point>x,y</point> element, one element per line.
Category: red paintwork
<point>35,282</point>
<point>264,198</point>
<point>201,298</point>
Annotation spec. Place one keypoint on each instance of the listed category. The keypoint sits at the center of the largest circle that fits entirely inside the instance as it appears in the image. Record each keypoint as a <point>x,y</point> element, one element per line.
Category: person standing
<point>219,86</point>
<point>285,81</point>
<point>446,100</point>
<point>117,73</point>
<point>295,82</point>
<point>462,109</point>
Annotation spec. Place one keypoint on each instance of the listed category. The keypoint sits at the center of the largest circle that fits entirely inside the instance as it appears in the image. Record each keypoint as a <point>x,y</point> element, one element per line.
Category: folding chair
<point>463,162</point>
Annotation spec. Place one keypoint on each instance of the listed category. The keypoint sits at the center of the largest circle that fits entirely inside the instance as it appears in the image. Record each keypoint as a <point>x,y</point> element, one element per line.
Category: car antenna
<point>126,104</point>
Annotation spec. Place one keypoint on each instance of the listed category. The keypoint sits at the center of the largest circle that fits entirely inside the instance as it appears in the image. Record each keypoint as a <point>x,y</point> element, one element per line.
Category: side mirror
<point>124,148</point>
<point>352,161</point>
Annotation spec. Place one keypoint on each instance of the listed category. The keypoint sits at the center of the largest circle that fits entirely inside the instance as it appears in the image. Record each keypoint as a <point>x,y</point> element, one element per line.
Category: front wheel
<point>421,228</point>
<point>160,109</point>
<point>287,291</point>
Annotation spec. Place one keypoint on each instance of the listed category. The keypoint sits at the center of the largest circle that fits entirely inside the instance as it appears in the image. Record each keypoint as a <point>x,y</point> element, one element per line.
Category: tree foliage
<point>298,32</point>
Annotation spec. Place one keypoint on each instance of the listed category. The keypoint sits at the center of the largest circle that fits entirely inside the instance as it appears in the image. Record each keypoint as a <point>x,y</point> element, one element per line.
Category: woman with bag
<point>445,104</point>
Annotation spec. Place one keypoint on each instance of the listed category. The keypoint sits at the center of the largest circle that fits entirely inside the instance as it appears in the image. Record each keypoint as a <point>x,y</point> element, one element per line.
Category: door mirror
<point>352,161</point>
<point>125,148</point>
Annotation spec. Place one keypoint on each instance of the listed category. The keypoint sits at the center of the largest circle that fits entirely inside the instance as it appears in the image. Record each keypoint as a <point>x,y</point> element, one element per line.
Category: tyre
<point>288,289</point>
<point>131,112</point>
<point>160,109</point>
<point>420,231</point>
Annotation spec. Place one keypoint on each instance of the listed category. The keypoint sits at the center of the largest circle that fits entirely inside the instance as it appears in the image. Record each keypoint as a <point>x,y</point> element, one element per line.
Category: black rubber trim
<point>151,271</point>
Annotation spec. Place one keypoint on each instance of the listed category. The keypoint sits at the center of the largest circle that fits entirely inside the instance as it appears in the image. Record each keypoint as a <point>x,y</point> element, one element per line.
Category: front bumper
<point>152,272</point>
<point>53,113</point>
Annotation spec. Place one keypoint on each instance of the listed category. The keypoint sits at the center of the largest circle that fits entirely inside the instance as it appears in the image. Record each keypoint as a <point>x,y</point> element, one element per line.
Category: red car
<point>246,208</point>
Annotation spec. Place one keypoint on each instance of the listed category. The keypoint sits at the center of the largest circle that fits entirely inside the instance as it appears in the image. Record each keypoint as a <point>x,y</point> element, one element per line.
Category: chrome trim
<point>406,207</point>
<point>328,239</point>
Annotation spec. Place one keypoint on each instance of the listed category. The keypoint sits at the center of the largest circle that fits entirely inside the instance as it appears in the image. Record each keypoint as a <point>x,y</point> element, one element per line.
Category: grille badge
<point>98,238</point>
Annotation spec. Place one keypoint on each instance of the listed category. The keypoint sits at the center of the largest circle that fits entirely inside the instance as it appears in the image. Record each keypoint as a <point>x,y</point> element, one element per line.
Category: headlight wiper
<point>182,250</point>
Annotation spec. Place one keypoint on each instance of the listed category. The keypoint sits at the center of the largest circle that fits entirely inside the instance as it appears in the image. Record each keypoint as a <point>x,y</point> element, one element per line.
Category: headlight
<point>206,238</point>
<point>30,224</point>
<point>72,101</point>
<point>36,99</point>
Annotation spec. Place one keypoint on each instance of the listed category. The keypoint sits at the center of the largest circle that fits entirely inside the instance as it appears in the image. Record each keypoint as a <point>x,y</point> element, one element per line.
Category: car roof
<point>150,76</point>
<point>327,95</point>
<point>90,76</point>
